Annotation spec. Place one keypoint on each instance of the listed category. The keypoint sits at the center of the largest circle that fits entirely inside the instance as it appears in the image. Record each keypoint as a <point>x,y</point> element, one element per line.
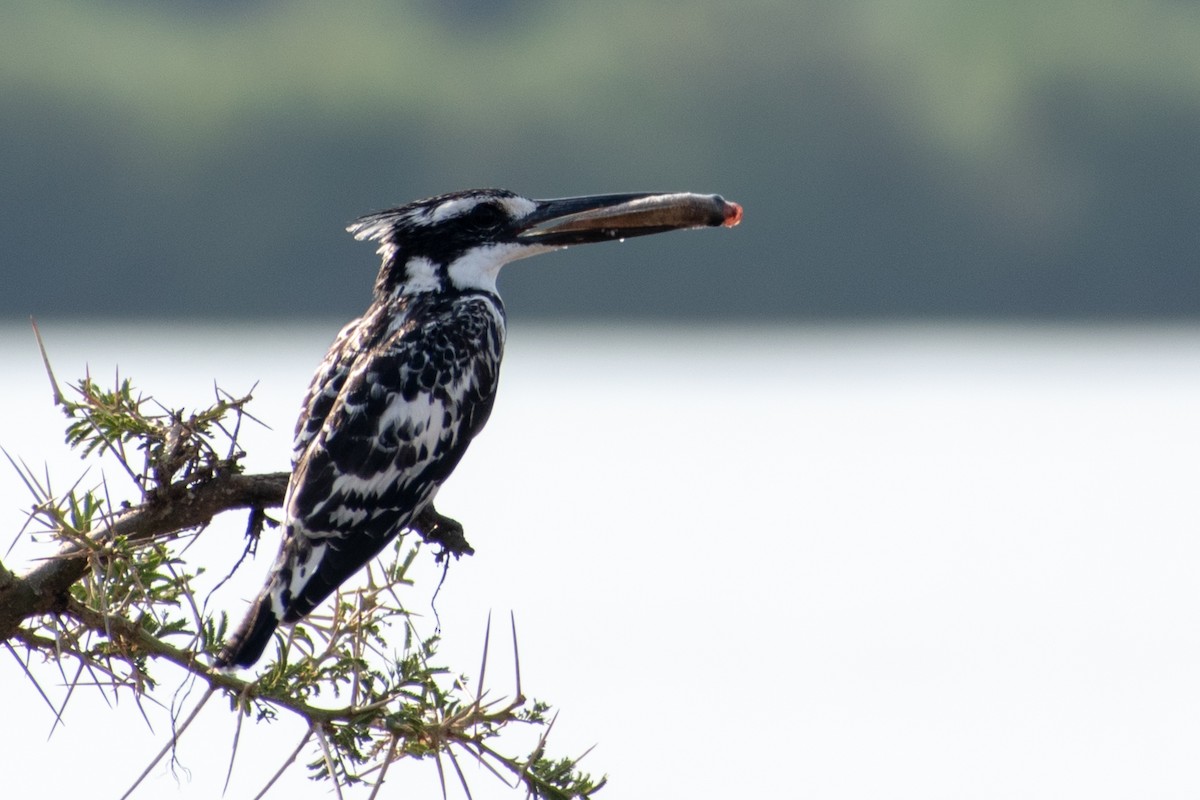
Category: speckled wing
<point>328,380</point>
<point>387,418</point>
<point>409,403</point>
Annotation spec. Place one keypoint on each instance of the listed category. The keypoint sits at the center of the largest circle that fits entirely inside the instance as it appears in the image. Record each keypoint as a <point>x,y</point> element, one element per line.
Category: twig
<point>387,762</point>
<point>333,777</point>
<point>57,714</point>
<point>170,745</point>
<point>476,749</point>
<point>487,638</point>
<point>512,618</point>
<point>59,400</point>
<point>237,735</point>
<point>287,763</point>
<point>462,779</point>
<point>186,507</point>
<point>437,759</point>
<point>70,684</point>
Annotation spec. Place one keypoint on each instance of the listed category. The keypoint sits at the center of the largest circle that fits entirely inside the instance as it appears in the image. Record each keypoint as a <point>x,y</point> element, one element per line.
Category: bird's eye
<point>485,215</point>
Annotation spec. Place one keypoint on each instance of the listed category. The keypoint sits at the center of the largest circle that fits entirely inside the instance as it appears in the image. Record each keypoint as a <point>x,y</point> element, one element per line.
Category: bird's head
<point>460,241</point>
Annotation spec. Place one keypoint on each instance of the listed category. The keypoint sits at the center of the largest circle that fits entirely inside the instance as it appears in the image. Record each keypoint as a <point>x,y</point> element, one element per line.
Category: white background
<point>827,562</point>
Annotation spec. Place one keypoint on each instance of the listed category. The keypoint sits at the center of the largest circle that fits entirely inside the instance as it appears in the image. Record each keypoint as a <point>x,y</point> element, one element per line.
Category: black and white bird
<point>407,386</point>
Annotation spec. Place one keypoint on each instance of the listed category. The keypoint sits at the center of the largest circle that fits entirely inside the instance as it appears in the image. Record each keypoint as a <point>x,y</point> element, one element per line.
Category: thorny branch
<point>116,591</point>
<point>44,588</point>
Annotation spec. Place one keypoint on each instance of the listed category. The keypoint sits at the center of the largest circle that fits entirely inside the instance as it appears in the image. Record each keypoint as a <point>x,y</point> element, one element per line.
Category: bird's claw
<point>434,528</point>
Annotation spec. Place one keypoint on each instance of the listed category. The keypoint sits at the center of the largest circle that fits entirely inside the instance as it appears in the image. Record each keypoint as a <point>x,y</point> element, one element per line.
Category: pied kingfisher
<point>407,386</point>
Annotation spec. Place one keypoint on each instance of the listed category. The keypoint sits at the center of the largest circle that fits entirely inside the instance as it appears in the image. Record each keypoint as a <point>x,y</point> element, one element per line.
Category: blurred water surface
<point>922,561</point>
<point>895,159</point>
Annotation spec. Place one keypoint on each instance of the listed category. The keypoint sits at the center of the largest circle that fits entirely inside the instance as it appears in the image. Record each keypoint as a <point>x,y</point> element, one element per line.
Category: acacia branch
<point>453,728</point>
<point>181,506</point>
<point>114,594</point>
<point>410,724</point>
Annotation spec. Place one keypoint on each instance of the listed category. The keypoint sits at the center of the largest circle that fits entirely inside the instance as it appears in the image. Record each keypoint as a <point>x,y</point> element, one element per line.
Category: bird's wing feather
<point>326,385</point>
<point>399,423</point>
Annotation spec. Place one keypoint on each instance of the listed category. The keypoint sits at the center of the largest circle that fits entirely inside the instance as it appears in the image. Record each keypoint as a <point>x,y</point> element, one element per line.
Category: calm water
<point>862,562</point>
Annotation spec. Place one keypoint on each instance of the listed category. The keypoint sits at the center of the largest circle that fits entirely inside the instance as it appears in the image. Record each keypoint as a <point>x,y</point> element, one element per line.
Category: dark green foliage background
<point>896,160</point>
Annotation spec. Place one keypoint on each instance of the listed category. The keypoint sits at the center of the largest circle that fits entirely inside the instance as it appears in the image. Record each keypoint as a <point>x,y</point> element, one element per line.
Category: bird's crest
<point>382,227</point>
<point>389,226</point>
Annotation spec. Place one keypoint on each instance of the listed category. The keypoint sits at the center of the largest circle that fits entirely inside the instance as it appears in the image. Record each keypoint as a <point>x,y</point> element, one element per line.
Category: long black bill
<point>600,218</point>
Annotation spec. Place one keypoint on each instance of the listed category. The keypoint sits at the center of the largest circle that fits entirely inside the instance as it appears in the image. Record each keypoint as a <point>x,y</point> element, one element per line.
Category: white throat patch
<point>478,267</point>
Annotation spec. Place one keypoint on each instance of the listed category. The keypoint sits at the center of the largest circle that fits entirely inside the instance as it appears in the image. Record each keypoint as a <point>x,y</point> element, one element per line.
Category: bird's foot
<point>434,528</point>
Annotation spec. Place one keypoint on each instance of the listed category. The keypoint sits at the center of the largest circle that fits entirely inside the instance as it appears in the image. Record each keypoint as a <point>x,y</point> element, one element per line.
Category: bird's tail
<point>247,643</point>
<point>304,574</point>
<point>289,594</point>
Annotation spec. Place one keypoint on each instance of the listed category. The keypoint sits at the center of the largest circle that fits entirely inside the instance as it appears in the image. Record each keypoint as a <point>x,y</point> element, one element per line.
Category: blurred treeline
<point>920,158</point>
